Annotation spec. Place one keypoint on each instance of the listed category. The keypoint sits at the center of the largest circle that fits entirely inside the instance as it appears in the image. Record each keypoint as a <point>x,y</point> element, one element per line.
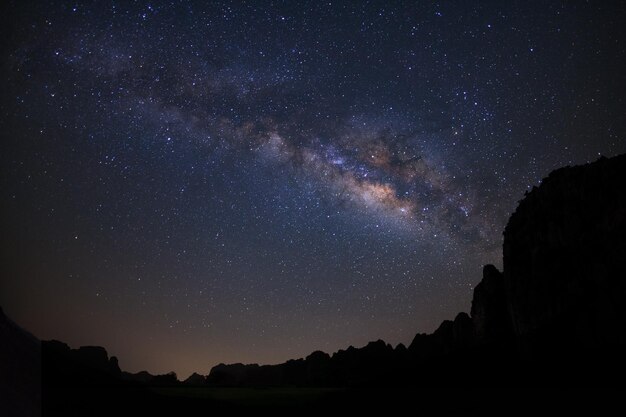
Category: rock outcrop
<point>195,379</point>
<point>20,370</point>
<point>491,320</point>
<point>142,376</point>
<point>565,259</point>
<point>85,363</point>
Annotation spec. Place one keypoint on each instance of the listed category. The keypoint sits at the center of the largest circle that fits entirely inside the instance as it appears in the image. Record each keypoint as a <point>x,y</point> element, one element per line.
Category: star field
<point>188,183</point>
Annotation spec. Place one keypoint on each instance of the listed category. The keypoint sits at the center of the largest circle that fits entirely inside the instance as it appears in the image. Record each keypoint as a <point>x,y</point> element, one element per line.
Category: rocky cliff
<point>565,259</point>
<point>20,370</point>
<point>86,362</point>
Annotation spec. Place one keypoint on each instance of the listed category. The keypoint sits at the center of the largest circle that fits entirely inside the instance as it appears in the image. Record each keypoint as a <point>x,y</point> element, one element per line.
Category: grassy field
<point>252,396</point>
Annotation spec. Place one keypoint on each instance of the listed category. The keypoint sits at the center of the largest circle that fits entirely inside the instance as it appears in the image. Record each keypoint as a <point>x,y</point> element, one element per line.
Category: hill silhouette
<point>548,331</point>
<point>564,260</point>
<point>20,370</point>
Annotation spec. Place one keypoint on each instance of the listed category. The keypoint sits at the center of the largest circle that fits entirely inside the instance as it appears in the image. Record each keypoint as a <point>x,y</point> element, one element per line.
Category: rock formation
<point>86,362</point>
<point>491,321</point>
<point>195,379</point>
<point>565,258</point>
<point>20,370</point>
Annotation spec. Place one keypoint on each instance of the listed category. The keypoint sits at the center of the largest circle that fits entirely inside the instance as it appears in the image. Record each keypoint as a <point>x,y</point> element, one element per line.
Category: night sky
<point>188,184</point>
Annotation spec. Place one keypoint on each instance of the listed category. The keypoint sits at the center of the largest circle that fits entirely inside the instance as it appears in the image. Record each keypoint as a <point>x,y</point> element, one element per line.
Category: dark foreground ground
<point>596,389</point>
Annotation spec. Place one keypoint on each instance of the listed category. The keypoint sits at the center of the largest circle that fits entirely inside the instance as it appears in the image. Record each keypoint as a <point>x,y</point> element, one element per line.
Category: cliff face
<point>85,362</point>
<point>20,370</point>
<point>490,313</point>
<point>565,258</point>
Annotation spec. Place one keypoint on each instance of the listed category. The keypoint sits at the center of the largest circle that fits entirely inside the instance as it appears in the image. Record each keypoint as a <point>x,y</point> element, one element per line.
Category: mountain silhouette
<point>195,379</point>
<point>142,376</point>
<point>20,370</point>
<point>564,259</point>
<point>86,363</point>
<point>548,331</point>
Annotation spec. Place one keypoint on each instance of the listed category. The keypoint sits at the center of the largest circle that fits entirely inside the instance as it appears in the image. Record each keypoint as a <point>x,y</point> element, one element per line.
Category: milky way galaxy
<point>188,183</point>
